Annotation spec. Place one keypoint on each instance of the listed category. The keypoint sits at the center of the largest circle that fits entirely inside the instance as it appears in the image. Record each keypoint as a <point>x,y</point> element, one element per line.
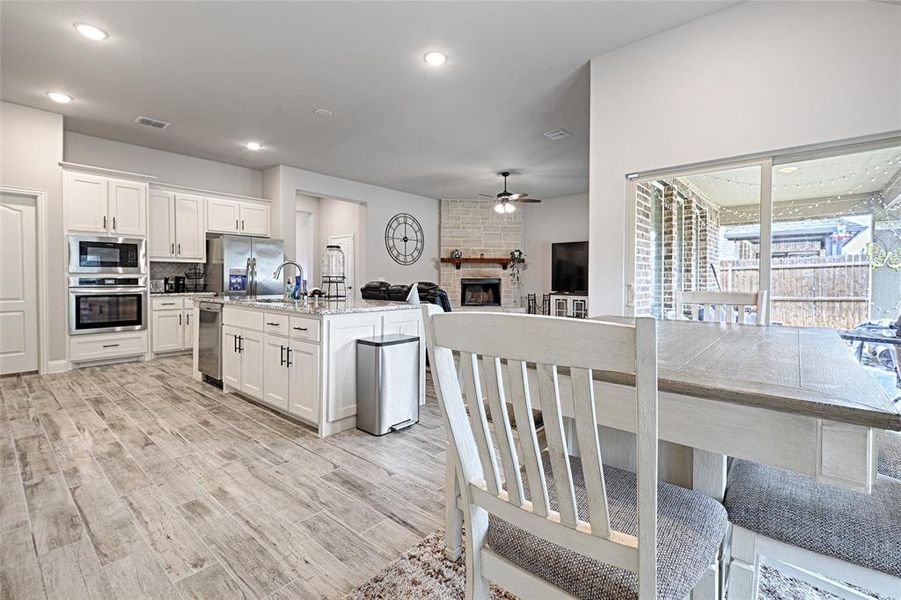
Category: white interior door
<point>346,243</point>
<point>18,285</point>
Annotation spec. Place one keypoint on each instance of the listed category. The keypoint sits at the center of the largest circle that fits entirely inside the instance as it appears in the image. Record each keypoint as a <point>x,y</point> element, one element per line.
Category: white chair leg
<point>453,516</point>
<point>477,587</point>
<point>744,568</point>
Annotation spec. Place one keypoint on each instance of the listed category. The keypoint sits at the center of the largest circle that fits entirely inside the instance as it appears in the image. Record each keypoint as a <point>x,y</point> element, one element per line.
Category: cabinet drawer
<point>94,347</point>
<point>170,303</point>
<point>274,323</point>
<point>245,319</point>
<point>305,329</point>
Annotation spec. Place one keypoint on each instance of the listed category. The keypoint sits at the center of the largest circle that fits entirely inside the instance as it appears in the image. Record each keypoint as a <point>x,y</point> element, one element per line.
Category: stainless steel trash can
<point>387,383</point>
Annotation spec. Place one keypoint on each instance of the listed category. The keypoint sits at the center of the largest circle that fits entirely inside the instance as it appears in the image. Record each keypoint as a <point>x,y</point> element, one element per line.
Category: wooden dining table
<point>787,397</point>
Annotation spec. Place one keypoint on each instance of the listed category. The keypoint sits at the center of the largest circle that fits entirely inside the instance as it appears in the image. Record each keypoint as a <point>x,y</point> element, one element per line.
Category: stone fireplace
<point>476,230</point>
<point>480,291</point>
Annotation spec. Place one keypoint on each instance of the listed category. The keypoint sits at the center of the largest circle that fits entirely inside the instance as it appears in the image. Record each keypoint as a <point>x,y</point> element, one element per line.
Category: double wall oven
<point>107,284</point>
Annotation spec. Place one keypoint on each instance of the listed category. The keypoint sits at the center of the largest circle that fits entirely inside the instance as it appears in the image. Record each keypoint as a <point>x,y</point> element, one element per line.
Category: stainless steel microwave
<point>91,254</point>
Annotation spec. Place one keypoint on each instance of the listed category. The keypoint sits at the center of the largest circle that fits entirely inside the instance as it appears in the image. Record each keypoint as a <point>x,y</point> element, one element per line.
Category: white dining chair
<point>808,529</point>
<point>721,307</point>
<point>561,526</point>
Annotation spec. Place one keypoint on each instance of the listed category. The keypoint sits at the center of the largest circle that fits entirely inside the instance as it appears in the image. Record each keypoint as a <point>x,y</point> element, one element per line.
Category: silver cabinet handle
<point>114,223</point>
<point>171,248</point>
<point>236,344</point>
<point>167,303</point>
<point>241,344</point>
<point>299,328</point>
<point>289,358</point>
<point>179,248</point>
<point>281,354</point>
<point>270,323</point>
<point>236,225</point>
<point>242,224</point>
<point>179,319</point>
<point>110,345</point>
<point>188,319</point>
<point>104,221</point>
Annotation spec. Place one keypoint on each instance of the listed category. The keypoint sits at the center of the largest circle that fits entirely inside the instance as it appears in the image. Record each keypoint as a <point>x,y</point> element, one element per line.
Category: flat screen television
<point>569,267</point>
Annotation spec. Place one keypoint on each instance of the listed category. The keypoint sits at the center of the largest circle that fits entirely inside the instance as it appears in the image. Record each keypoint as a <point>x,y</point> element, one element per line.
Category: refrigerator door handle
<point>253,265</point>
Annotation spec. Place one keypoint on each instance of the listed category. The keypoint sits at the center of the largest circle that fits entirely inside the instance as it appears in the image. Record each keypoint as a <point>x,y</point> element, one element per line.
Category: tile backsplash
<point>158,270</point>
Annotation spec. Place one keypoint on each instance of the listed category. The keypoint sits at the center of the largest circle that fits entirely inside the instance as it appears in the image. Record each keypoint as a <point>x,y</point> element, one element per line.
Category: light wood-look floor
<point>134,480</point>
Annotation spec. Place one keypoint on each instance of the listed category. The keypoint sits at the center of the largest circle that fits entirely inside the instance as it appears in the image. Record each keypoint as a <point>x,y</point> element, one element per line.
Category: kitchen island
<point>300,358</point>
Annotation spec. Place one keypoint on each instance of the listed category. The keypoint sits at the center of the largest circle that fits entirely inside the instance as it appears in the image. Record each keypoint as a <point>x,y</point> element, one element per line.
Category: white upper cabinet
<point>190,235</point>
<point>223,216</point>
<point>237,216</point>
<point>161,242</point>
<point>127,207</point>
<point>255,219</point>
<point>96,204</point>
<point>86,202</point>
<point>177,230</point>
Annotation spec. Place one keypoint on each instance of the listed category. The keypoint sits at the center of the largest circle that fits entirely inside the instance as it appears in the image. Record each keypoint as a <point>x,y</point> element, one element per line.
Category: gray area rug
<point>424,572</point>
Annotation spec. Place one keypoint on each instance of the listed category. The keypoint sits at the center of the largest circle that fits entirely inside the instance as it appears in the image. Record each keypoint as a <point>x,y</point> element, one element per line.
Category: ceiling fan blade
<point>487,195</point>
<point>528,200</point>
<point>518,196</point>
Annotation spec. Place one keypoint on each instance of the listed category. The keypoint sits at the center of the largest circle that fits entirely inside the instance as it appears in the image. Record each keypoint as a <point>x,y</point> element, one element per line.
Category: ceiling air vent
<point>156,123</point>
<point>557,134</point>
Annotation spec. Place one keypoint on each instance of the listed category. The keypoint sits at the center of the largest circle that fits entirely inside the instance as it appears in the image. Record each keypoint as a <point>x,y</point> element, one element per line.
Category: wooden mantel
<point>503,261</point>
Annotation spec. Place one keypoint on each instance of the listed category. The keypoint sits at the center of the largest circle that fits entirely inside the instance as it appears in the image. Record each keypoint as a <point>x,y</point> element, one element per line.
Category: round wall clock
<point>404,239</point>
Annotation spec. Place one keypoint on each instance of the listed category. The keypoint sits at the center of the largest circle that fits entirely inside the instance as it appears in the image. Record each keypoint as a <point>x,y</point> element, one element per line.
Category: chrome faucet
<point>278,272</point>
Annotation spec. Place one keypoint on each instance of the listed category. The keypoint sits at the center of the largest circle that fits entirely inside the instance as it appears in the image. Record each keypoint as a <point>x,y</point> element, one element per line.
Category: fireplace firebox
<point>480,291</point>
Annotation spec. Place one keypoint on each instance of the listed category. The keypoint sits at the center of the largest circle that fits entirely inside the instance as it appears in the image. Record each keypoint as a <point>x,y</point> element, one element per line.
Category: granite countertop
<point>325,307</point>
<point>179,294</point>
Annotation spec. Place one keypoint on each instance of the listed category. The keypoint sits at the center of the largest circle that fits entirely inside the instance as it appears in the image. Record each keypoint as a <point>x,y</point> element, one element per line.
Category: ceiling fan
<point>506,200</point>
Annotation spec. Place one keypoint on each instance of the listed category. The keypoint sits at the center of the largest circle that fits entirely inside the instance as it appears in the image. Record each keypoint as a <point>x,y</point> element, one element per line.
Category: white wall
<point>339,217</point>
<point>282,184</point>
<point>31,146</point>
<point>169,167</point>
<point>756,77</point>
<point>308,205</point>
<point>563,219</point>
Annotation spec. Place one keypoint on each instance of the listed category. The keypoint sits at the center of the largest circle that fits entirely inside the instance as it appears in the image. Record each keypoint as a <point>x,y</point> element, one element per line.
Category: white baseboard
<point>57,366</point>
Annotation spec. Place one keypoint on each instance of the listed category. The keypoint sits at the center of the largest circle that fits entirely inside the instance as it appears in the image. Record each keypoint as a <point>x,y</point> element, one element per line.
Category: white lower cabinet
<point>231,357</point>
<point>252,364</point>
<point>106,345</point>
<point>304,367</point>
<point>276,372</point>
<point>311,372</point>
<point>170,324</point>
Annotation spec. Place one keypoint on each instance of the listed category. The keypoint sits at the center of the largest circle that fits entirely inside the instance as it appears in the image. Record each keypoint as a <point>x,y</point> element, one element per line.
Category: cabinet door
<point>275,372</point>
<point>255,219</point>
<point>252,363</point>
<point>231,358</point>
<point>86,202</point>
<point>167,330</point>
<point>190,241</point>
<point>341,365</point>
<point>162,225</point>
<point>127,207</point>
<point>223,216</point>
<point>304,370</point>
<point>188,328</point>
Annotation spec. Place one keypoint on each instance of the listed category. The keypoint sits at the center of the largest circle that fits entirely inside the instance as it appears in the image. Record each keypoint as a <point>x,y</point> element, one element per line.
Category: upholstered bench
<point>860,529</point>
<point>690,528</point>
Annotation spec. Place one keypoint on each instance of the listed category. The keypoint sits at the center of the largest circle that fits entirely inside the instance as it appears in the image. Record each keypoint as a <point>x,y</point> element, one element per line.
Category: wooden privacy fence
<point>808,291</point>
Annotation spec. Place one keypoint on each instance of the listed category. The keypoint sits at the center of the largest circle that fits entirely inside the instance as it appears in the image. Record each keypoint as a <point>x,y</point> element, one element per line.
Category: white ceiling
<point>224,73</point>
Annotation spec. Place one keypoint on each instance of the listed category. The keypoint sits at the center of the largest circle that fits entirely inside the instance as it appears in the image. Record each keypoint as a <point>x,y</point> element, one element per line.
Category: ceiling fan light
<point>509,207</point>
<point>499,208</point>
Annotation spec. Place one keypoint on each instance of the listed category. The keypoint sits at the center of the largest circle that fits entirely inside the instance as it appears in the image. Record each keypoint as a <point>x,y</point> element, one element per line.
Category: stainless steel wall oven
<point>107,303</point>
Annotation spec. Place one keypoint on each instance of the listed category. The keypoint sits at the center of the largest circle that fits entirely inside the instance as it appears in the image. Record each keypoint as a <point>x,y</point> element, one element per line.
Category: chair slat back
<point>722,307</point>
<point>509,347</point>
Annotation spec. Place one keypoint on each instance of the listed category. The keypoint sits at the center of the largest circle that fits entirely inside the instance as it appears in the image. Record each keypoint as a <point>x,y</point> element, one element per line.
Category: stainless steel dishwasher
<point>209,349</point>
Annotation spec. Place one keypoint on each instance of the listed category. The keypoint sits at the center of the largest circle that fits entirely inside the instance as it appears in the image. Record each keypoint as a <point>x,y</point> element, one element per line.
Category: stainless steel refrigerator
<point>243,266</point>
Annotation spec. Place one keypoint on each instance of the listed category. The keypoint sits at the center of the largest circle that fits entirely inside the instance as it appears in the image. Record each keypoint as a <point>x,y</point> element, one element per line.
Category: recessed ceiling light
<point>59,97</point>
<point>435,58</point>
<point>91,32</point>
<point>254,146</point>
<point>788,170</point>
<point>557,134</point>
<point>323,112</point>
